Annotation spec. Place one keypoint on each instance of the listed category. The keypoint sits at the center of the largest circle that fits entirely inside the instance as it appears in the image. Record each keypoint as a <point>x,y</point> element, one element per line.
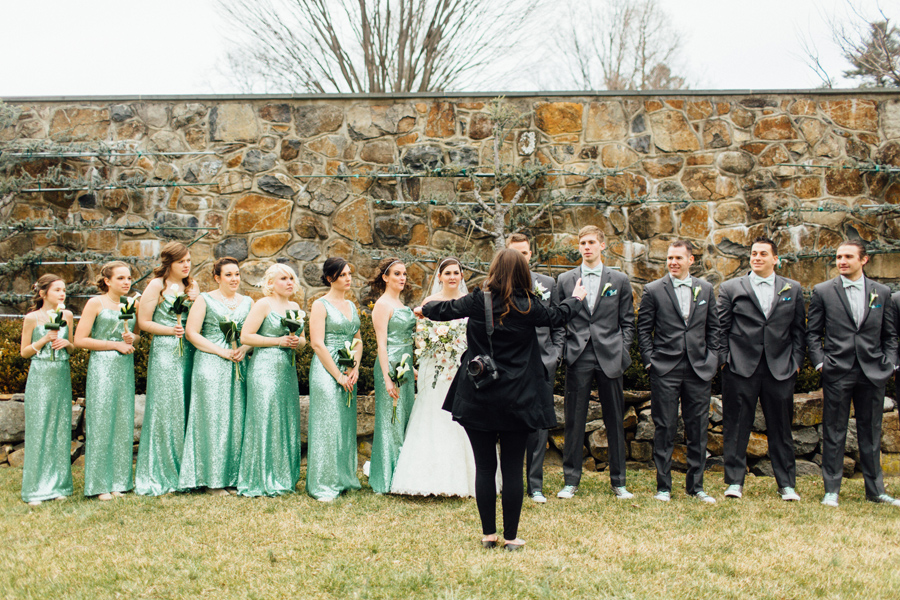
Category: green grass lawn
<point>368,546</point>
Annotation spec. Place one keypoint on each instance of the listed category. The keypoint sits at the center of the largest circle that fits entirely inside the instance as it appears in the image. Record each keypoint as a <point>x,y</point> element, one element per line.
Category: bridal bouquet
<point>293,321</point>
<point>401,371</point>
<point>443,342</point>
<point>128,310</point>
<point>55,324</point>
<point>346,358</point>
<point>232,333</point>
<point>181,303</point>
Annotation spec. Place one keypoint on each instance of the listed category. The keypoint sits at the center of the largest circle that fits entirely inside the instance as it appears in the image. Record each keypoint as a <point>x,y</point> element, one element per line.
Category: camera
<point>482,371</point>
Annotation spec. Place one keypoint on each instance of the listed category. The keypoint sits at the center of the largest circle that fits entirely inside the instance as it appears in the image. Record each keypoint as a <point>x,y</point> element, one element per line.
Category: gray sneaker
<point>704,497</point>
<point>734,491</point>
<point>663,496</point>
<point>788,494</point>
<point>830,499</point>
<point>538,496</point>
<point>884,499</point>
<point>621,493</point>
<point>567,492</point>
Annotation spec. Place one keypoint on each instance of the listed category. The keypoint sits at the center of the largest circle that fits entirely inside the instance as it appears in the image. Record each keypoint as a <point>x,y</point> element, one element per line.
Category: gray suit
<point>762,348</point>
<point>596,347</point>
<point>683,360</point>
<point>856,364</point>
<point>549,340</point>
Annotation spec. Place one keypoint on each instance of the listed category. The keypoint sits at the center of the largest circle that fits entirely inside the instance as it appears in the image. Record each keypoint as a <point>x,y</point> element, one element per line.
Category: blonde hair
<point>273,272</point>
<point>591,230</point>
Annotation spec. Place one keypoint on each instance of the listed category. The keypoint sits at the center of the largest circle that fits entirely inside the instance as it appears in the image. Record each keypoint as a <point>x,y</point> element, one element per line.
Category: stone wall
<point>722,152</point>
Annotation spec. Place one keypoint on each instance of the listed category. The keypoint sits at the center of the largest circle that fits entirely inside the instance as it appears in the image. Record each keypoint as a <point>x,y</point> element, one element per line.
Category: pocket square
<point>701,303</point>
<point>786,299</point>
<point>609,293</point>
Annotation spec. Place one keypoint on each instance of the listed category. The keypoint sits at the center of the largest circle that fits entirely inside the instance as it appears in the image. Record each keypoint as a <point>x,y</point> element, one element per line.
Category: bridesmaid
<point>270,453</point>
<point>212,444</point>
<point>168,374</point>
<point>331,456</point>
<point>109,391</point>
<point>394,325</point>
<point>47,472</point>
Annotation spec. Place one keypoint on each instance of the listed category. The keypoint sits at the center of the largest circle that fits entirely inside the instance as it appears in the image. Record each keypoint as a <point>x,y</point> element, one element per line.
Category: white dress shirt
<point>683,293</point>
<point>591,282</point>
<point>856,293</point>
<point>765,290</point>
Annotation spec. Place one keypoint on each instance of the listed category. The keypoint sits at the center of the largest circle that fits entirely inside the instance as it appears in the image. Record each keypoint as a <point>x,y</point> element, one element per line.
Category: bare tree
<point>870,44</point>
<point>618,45</point>
<point>374,46</point>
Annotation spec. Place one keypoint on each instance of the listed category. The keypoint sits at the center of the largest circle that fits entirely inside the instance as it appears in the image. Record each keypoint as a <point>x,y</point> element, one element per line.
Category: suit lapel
<point>692,304</point>
<point>776,296</point>
<point>867,291</point>
<point>604,278</point>
<point>748,288</point>
<point>839,290</point>
<point>670,289</point>
<point>584,306</point>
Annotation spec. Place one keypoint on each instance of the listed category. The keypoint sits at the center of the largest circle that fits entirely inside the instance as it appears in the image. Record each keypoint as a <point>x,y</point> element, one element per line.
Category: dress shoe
<point>788,494</point>
<point>567,492</point>
<point>663,496</point>
<point>830,499</point>
<point>538,496</point>
<point>704,497</point>
<point>734,491</point>
<point>621,493</point>
<point>884,499</point>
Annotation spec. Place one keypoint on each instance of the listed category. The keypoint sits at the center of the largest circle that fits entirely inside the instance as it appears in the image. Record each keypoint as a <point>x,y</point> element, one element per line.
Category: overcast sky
<point>126,47</point>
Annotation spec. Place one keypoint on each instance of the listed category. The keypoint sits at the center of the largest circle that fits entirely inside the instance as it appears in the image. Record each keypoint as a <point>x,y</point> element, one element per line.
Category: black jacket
<point>520,399</point>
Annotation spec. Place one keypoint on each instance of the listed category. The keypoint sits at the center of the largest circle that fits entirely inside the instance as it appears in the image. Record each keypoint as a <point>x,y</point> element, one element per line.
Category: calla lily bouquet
<point>232,333</point>
<point>293,320</point>
<point>128,309</point>
<point>181,303</point>
<point>55,324</point>
<point>401,371</point>
<point>347,359</point>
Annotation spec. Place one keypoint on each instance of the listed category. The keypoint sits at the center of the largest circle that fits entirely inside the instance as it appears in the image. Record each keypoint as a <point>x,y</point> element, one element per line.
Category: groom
<point>596,349</point>
<point>550,340</point>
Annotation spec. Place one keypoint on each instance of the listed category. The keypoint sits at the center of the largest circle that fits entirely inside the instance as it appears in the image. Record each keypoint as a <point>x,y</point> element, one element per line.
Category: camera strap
<point>489,319</point>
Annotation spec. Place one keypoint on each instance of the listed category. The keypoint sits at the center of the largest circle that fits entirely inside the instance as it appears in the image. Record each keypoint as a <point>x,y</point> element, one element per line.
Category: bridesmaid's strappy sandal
<point>105,497</point>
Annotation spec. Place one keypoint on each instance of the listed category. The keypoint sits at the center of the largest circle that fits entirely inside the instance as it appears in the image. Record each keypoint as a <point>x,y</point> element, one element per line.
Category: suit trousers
<point>681,382</point>
<point>535,451</point>
<point>868,402</point>
<point>579,377</point>
<point>739,397</point>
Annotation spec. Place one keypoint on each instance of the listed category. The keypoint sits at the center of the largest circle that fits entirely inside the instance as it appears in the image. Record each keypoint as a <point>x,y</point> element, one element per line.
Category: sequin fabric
<point>168,390</point>
<point>212,443</point>
<point>389,436</point>
<point>270,453</point>
<point>109,411</point>
<point>331,456</point>
<point>47,472</point>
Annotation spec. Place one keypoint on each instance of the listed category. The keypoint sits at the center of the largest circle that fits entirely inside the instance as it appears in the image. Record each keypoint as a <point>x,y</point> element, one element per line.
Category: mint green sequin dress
<point>212,444</point>
<point>270,453</point>
<point>389,436</point>
<point>47,472</point>
<point>168,393</point>
<point>109,411</point>
<point>331,455</point>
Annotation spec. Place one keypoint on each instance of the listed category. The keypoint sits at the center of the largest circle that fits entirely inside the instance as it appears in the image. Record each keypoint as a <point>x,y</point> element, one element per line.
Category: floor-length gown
<point>331,455</point>
<point>389,431</point>
<point>165,413</point>
<point>436,457</point>
<point>212,443</point>
<point>109,411</point>
<point>270,452</point>
<point>47,472</point>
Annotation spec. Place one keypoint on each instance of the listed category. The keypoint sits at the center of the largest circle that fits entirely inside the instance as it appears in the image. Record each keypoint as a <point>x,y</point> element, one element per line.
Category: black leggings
<point>512,458</point>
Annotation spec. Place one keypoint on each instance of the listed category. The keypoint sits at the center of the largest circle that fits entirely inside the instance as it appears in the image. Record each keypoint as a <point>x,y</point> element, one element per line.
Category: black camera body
<point>482,370</point>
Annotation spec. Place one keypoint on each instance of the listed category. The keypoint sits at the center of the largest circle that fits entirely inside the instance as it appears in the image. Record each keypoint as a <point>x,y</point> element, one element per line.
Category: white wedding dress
<point>436,457</point>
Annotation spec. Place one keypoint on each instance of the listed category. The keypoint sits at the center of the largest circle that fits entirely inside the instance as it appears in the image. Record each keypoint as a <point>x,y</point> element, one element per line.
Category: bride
<point>436,457</point>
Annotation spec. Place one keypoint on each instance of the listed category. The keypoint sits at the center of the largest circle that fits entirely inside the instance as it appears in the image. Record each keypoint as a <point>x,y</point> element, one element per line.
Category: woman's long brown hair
<point>170,253</point>
<point>508,273</point>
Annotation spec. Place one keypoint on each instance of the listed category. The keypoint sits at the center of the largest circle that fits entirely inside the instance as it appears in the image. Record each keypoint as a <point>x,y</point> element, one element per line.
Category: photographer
<point>500,390</point>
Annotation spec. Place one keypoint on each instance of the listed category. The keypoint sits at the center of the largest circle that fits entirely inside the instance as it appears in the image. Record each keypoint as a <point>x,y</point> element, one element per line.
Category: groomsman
<point>762,343</point>
<point>596,348</point>
<point>852,316</point>
<point>550,341</point>
<point>677,329</point>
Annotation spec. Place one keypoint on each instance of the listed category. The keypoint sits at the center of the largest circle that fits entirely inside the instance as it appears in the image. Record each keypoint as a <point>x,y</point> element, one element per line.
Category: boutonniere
<point>540,291</point>
<point>696,292</point>
<point>872,298</point>
<point>786,287</point>
<point>606,289</point>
